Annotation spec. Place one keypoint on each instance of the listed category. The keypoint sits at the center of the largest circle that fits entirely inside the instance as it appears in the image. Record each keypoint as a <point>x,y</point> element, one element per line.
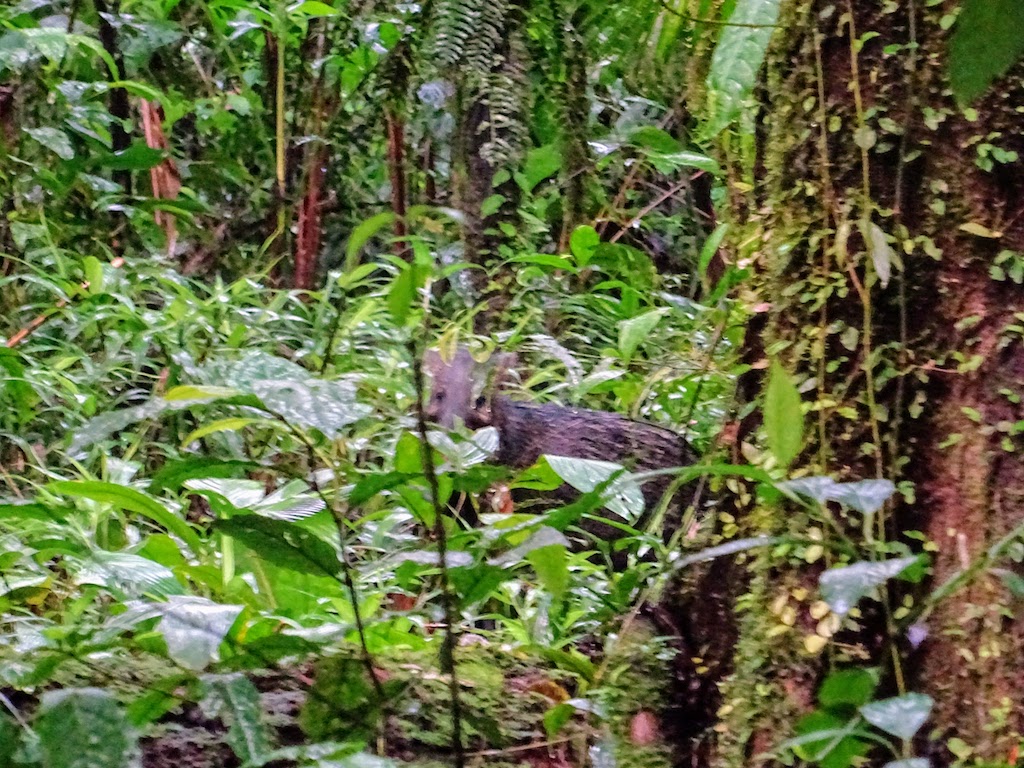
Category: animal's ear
<point>432,362</point>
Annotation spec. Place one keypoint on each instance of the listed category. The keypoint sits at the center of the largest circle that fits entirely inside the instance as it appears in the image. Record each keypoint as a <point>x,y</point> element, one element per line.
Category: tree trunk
<point>916,378</point>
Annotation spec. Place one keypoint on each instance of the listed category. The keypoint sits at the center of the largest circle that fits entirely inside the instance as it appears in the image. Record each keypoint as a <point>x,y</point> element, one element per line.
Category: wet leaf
<point>737,60</point>
<point>842,588</point>
<point>194,627</point>
<point>902,716</point>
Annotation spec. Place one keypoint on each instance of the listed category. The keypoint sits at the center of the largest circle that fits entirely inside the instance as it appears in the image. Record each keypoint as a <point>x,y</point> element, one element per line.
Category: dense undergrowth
<point>228,538</point>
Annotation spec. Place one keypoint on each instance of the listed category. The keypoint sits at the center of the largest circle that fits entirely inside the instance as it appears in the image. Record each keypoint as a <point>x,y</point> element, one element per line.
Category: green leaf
<point>93,269</point>
<point>361,234</point>
<point>173,475</point>
<point>985,44</point>
<point>402,294</point>
<point>233,424</point>
<point>138,157</point>
<point>669,162</point>
<point>556,718</point>
<point>199,394</point>
<point>882,254</point>
<point>707,253</point>
<point>824,738</point>
<point>865,496</point>
<point>235,700</point>
<point>130,499</point>
<point>194,628</point>
<point>283,544</point>
<point>909,762</point>
<point>737,60</point>
<point>842,588</point>
<point>127,575</point>
<point>654,139</point>
<point>622,496</point>
<point>160,698</point>
<point>84,728</point>
<point>54,140</point>
<point>311,9</point>
<point>902,716</point>
<point>551,260</point>
<point>783,417</point>
<point>635,330</point>
<point>542,537</point>
<point>551,563</point>
<point>541,163</point>
<point>371,485</point>
<point>848,686</point>
<point>582,243</point>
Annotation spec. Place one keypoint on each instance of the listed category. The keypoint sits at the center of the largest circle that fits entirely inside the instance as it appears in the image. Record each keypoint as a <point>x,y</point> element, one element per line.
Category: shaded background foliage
<point>229,229</point>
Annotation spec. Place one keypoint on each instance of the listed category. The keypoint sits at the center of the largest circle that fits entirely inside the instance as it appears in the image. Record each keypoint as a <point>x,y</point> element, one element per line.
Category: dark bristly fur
<point>528,430</point>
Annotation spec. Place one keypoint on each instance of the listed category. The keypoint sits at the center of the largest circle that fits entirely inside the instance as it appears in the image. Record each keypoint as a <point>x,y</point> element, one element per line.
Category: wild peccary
<point>528,430</point>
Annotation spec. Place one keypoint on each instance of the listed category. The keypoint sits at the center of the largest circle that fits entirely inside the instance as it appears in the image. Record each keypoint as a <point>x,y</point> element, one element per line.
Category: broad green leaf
<point>551,564</point>
<point>370,486</point>
<point>783,417</point>
<point>582,243</point>
<point>138,157</point>
<point>54,140</point>
<point>174,474</point>
<point>14,388</point>
<point>843,587</point>
<point>127,575</point>
<point>654,139</point>
<point>622,496</point>
<point>848,686</point>
<point>194,628</point>
<point>669,162</point>
<point>20,512</point>
<point>902,716</point>
<point>160,698</point>
<point>825,739</point>
<point>865,496</point>
<point>283,544</point>
<point>235,700</point>
<point>312,9</point>
<point>361,234</point>
<point>737,60</point>
<point>129,499</point>
<point>882,255</point>
<point>707,253</point>
<point>402,294</point>
<point>634,331</point>
<point>986,42</point>
<point>551,260</point>
<point>328,406</point>
<point>541,163</point>
<point>93,269</point>
<point>542,537</point>
<point>85,728</point>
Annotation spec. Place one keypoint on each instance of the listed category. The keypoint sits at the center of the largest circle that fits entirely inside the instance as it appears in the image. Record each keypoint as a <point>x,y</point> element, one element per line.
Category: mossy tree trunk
<point>917,377</point>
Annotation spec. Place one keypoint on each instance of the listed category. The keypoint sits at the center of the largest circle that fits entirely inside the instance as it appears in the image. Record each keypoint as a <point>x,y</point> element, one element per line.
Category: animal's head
<point>461,388</point>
